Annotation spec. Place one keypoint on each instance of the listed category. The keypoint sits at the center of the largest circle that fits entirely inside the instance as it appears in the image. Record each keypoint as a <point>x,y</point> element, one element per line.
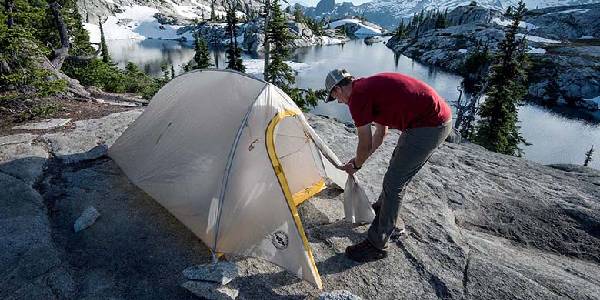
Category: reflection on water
<point>554,139</point>
<point>151,54</point>
<point>362,60</point>
<point>557,139</point>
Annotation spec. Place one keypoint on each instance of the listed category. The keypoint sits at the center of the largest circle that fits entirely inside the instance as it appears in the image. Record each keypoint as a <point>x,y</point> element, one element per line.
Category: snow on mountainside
<point>155,19</point>
<point>174,12</point>
<point>359,28</point>
<point>388,13</point>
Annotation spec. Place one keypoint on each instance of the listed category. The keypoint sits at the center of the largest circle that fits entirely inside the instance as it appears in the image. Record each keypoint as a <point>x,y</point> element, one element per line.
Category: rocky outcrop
<point>570,67</point>
<point>254,38</point>
<point>388,13</point>
<point>479,225</point>
<point>567,22</point>
<point>324,7</point>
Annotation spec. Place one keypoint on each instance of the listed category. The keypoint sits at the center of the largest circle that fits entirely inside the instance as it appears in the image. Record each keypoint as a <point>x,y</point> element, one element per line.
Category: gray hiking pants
<point>412,151</point>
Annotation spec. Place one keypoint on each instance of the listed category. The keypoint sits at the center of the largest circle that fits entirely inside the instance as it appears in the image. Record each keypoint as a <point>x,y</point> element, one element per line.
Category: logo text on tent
<point>280,240</point>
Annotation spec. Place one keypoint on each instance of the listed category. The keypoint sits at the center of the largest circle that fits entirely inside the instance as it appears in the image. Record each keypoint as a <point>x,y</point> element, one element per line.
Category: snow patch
<point>538,39</point>
<point>463,51</point>
<point>326,40</point>
<point>536,51</point>
<point>136,23</point>
<point>506,22</point>
<point>256,66</point>
<point>573,11</point>
<point>364,29</point>
<point>93,31</point>
<point>586,37</point>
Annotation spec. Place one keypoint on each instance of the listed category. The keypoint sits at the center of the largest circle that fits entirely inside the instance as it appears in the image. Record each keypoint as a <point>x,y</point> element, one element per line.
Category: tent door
<point>293,199</point>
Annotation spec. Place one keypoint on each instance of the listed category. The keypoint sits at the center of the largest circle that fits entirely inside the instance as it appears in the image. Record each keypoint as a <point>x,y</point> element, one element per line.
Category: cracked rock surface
<point>479,225</point>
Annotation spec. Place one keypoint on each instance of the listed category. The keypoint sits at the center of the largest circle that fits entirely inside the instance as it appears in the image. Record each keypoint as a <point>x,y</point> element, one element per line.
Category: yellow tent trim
<point>270,143</point>
<point>308,192</point>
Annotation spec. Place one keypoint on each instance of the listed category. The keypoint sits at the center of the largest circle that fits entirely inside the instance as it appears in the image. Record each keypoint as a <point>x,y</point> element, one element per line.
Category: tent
<point>231,157</point>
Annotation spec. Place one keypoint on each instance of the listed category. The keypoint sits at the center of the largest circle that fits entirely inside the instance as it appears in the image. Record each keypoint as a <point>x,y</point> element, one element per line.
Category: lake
<point>554,138</point>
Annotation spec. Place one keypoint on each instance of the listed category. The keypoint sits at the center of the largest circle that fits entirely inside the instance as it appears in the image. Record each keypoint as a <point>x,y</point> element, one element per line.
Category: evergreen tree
<point>298,15</point>
<point>553,90</point>
<point>278,72</point>
<point>497,128</point>
<point>202,56</point>
<point>401,30</point>
<point>213,16</point>
<point>441,21</point>
<point>234,53</point>
<point>104,48</point>
<point>588,157</point>
<point>172,72</point>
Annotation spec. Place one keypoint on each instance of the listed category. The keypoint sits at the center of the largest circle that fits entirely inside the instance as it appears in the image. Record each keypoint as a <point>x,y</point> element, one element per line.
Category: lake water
<point>554,138</point>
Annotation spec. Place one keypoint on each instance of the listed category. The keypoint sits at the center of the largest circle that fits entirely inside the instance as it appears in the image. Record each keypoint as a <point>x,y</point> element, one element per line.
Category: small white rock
<point>87,218</point>
<point>210,290</point>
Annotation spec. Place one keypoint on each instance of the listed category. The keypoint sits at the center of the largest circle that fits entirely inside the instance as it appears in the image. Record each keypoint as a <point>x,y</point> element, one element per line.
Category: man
<point>400,102</point>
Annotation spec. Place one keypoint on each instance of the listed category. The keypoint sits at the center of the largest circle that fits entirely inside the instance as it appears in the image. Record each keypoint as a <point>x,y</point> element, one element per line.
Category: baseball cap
<point>333,78</point>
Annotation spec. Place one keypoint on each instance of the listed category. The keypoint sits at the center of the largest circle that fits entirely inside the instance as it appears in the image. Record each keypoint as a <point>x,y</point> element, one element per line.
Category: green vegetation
<point>234,53</point>
<point>424,20</point>
<point>277,71</point>
<point>43,44</point>
<point>103,47</point>
<point>497,128</point>
<point>316,26</point>
<point>201,57</point>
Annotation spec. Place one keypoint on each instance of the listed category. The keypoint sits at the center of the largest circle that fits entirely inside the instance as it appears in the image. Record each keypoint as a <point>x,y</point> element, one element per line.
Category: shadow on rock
<point>135,249</point>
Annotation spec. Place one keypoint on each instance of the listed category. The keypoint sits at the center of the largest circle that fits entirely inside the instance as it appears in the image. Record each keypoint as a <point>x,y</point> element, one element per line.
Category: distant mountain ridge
<point>388,13</point>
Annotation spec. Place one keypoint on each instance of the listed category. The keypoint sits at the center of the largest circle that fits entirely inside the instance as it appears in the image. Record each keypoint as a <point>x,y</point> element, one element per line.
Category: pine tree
<point>234,53</point>
<point>298,16</point>
<point>497,128</point>
<point>401,30</point>
<point>213,16</point>
<point>172,72</point>
<point>588,157</point>
<point>105,56</point>
<point>202,56</point>
<point>552,90</point>
<point>278,72</point>
<point>441,21</point>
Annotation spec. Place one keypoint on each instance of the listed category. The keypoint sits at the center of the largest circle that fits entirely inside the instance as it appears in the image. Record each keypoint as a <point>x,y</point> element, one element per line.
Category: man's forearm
<point>362,153</point>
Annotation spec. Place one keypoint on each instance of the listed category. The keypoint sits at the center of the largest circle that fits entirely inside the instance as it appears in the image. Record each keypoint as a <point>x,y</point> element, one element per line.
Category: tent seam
<point>225,179</point>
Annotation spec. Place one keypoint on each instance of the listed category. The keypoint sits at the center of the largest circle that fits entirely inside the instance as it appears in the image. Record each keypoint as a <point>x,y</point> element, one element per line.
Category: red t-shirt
<point>397,101</point>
